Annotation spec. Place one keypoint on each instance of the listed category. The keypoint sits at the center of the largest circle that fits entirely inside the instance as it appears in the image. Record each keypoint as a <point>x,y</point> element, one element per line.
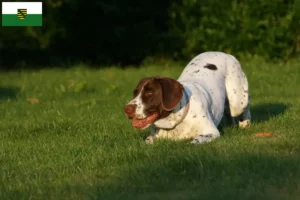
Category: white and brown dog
<point>212,84</point>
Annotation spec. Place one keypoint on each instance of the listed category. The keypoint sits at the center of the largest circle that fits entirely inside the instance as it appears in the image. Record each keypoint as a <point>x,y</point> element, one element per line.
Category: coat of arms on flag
<point>22,13</point>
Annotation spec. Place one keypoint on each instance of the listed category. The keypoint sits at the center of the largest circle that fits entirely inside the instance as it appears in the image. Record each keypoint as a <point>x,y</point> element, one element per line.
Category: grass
<point>71,140</point>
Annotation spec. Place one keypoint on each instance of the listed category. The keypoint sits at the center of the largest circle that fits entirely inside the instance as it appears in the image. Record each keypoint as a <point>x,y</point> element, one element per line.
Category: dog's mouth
<point>142,123</point>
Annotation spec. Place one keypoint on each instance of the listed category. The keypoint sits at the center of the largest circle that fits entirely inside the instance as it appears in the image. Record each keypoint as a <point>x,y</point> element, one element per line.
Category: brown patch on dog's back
<point>211,66</point>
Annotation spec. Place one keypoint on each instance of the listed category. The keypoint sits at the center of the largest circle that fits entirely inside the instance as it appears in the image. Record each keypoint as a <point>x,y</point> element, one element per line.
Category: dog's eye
<point>148,93</point>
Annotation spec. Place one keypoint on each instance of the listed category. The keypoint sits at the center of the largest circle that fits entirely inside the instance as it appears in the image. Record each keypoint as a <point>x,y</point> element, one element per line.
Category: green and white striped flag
<point>22,14</point>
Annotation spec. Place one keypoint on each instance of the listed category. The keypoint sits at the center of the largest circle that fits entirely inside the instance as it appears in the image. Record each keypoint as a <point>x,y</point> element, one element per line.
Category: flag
<point>22,14</point>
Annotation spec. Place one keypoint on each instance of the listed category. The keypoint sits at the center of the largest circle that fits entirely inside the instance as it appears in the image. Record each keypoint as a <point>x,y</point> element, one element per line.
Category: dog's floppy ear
<point>171,92</point>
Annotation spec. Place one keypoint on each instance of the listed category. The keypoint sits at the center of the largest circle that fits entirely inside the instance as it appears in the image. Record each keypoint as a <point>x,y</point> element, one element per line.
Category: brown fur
<point>159,94</point>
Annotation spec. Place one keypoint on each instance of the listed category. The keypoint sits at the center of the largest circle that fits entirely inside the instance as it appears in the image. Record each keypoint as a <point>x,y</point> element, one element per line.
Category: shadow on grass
<point>259,113</point>
<point>185,176</point>
<point>263,112</point>
<point>8,93</point>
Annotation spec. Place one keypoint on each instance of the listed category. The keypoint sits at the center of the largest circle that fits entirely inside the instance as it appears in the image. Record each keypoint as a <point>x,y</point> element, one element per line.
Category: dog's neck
<point>177,115</point>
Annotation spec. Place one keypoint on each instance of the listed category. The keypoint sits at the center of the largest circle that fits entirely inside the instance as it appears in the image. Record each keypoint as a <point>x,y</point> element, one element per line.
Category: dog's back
<point>220,74</point>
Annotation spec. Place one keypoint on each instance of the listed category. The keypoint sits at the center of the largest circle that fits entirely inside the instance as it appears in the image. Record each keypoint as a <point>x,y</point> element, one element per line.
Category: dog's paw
<point>244,124</point>
<point>149,140</point>
<point>200,139</point>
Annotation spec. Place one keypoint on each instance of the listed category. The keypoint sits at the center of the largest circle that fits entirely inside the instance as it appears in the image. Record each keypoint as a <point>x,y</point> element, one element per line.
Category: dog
<point>191,107</point>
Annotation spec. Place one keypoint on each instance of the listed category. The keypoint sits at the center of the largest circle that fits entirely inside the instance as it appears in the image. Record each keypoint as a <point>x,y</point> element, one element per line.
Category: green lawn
<point>76,143</point>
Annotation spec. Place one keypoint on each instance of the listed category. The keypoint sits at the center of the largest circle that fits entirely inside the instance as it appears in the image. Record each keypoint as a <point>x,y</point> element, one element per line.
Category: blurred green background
<point>128,32</point>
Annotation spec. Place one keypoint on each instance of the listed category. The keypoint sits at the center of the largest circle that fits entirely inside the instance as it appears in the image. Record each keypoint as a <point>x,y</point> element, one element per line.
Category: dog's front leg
<point>208,132</point>
<point>160,133</point>
<point>153,133</point>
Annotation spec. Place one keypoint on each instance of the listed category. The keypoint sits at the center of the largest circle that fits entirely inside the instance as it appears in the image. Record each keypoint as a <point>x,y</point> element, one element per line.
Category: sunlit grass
<point>63,135</point>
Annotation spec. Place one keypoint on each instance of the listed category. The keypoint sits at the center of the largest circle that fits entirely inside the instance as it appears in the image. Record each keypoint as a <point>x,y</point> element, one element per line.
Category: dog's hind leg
<point>245,118</point>
<point>236,85</point>
<point>229,120</point>
<point>238,96</point>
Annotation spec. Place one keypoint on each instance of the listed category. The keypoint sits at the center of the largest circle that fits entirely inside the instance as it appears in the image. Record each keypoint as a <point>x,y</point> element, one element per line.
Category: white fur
<point>207,90</point>
<point>139,111</point>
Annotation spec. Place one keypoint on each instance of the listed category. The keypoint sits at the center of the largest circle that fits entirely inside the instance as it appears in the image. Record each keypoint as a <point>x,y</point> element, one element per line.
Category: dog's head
<point>153,98</point>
